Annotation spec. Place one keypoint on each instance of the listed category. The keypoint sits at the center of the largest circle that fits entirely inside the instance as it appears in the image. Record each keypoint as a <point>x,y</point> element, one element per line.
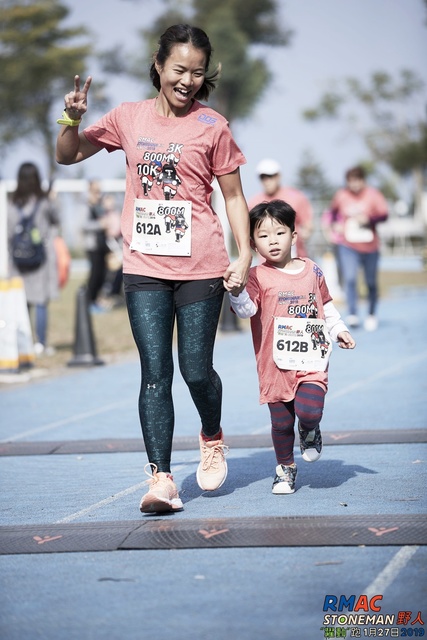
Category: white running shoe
<point>371,323</point>
<point>212,470</point>
<point>162,495</point>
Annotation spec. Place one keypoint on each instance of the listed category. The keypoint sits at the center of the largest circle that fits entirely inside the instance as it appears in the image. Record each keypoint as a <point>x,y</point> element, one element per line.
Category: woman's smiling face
<point>181,77</point>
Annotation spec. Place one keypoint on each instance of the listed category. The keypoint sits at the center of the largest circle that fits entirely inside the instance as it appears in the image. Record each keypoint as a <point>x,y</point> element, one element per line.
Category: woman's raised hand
<point>76,100</point>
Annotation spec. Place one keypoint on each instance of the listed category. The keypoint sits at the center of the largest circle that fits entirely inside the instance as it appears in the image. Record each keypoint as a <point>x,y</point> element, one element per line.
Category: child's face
<point>274,241</point>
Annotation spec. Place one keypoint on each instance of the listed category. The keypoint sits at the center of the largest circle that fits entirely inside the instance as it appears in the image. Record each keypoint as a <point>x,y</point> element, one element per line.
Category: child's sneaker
<point>212,470</point>
<point>310,443</point>
<point>284,482</point>
<point>162,495</point>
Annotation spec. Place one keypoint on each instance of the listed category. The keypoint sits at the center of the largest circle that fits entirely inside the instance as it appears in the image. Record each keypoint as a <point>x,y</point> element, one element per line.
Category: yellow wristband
<point>68,121</point>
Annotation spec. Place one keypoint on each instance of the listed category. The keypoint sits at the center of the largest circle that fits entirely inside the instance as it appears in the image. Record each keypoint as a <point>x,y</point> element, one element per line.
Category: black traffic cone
<point>84,342</point>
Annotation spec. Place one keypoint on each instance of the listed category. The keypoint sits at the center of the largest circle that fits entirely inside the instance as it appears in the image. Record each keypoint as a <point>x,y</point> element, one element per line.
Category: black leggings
<point>152,315</point>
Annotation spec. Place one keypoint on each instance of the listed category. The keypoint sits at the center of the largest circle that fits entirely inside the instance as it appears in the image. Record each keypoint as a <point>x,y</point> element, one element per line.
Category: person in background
<point>269,172</point>
<point>175,263</point>
<point>332,238</point>
<point>41,283</point>
<point>114,259</point>
<point>354,213</point>
<point>294,292</point>
<point>96,247</point>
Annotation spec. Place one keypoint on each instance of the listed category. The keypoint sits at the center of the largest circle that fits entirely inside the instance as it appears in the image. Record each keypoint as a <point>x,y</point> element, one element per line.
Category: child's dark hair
<point>185,34</point>
<point>277,209</point>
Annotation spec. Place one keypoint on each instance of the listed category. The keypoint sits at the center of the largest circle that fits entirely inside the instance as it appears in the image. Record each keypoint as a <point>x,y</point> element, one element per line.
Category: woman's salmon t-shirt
<point>174,159</point>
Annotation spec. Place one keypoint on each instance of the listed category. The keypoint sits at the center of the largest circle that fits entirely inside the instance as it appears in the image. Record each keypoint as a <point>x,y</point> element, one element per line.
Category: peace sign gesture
<point>76,100</point>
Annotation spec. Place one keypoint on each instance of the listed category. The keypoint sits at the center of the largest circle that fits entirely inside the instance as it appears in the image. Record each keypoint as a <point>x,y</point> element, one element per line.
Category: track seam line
<point>65,421</point>
<point>390,572</point>
<point>111,499</point>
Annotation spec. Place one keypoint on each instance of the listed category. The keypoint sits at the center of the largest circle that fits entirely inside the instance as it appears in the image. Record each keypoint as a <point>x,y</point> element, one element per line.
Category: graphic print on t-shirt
<point>159,168</point>
<point>299,306</point>
<point>168,179</point>
<point>159,177</point>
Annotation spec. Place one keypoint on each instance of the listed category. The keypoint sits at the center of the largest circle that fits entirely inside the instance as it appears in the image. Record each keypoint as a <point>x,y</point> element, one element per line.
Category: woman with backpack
<point>32,226</point>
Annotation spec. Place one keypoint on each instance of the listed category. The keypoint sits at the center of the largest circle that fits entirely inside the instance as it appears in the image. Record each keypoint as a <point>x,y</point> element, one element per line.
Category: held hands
<point>346,340</point>
<point>76,100</point>
<point>233,284</point>
<point>236,276</point>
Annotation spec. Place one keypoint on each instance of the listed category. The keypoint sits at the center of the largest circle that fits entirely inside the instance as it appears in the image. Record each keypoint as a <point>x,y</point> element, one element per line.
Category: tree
<point>389,115</point>
<point>234,27</point>
<point>312,180</point>
<point>35,62</point>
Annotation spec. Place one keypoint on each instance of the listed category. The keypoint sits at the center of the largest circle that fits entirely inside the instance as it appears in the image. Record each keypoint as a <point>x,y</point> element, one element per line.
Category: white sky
<point>333,39</point>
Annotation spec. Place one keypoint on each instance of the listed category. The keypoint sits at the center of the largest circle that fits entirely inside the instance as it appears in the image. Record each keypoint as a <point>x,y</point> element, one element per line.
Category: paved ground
<point>80,561</point>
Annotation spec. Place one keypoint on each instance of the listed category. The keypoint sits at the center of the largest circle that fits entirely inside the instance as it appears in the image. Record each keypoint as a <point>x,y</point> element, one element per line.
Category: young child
<point>292,318</point>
